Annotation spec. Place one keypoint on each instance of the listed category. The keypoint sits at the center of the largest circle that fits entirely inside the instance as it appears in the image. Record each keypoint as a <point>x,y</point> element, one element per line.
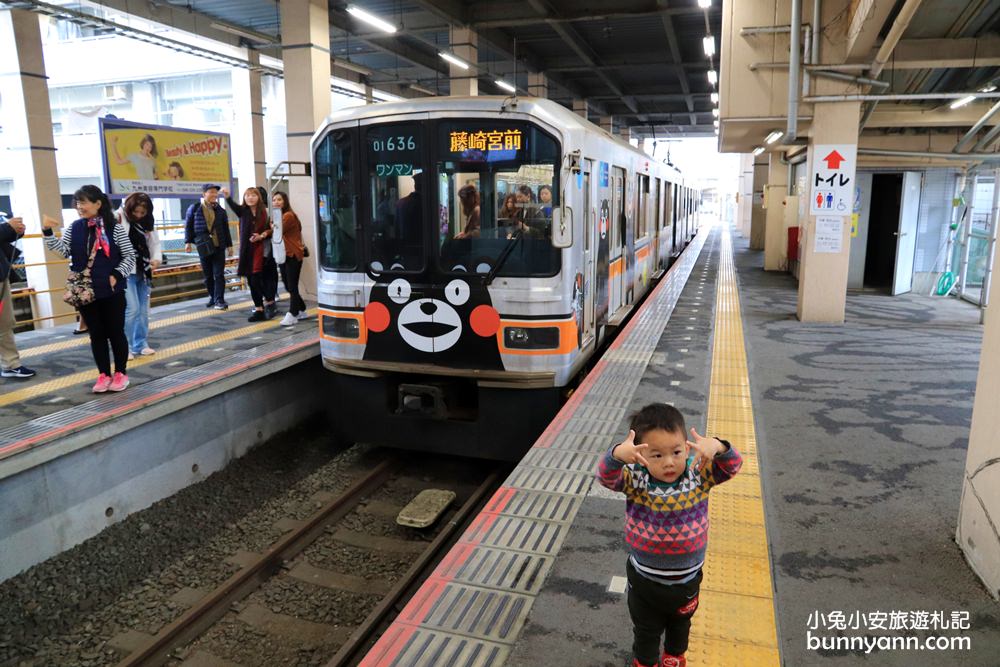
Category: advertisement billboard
<point>162,161</point>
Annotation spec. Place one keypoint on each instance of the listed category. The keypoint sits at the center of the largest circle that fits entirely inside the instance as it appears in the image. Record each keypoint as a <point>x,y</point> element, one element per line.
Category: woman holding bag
<point>96,242</point>
<point>291,229</point>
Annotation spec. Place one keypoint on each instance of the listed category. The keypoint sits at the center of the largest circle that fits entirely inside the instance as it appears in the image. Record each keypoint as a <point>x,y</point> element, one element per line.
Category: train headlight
<point>531,338</point>
<point>341,327</point>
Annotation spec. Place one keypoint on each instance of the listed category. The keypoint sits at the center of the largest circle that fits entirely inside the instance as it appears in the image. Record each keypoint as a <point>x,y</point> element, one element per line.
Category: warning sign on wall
<point>832,179</point>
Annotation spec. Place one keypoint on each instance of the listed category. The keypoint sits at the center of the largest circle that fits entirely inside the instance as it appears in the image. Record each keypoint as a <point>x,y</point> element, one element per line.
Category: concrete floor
<point>863,429</point>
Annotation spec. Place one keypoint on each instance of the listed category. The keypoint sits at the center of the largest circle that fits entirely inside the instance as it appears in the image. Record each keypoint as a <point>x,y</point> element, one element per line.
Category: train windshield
<point>395,182</point>
<point>336,201</point>
<point>496,184</point>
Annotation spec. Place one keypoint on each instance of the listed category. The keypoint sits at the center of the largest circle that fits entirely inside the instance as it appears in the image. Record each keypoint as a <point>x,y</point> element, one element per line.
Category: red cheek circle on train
<point>376,317</point>
<point>485,320</point>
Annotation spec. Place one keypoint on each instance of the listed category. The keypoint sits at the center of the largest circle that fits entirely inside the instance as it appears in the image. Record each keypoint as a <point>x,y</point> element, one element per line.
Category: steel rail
<point>348,652</point>
<point>194,622</point>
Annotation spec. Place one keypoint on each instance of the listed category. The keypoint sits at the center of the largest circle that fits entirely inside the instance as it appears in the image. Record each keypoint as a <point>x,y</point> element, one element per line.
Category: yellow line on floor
<point>735,623</point>
<point>156,324</point>
<point>90,375</point>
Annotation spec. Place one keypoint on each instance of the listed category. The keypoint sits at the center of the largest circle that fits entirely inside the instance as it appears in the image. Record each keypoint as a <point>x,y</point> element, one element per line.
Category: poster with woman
<point>162,161</point>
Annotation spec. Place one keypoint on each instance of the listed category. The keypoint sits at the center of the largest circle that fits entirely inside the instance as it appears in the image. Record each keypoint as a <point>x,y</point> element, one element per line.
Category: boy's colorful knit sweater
<point>666,524</point>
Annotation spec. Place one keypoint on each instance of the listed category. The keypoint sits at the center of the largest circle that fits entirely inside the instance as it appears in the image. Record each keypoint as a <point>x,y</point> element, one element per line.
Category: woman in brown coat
<point>291,230</point>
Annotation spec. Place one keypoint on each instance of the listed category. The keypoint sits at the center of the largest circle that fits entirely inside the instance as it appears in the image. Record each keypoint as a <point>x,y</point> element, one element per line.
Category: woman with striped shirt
<point>98,232</point>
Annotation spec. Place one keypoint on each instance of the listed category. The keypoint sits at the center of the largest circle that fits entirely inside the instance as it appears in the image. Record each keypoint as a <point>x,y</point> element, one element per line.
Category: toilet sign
<point>832,179</point>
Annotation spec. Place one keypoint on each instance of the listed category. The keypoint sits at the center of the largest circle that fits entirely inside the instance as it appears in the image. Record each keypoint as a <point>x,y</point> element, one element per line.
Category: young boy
<point>666,525</point>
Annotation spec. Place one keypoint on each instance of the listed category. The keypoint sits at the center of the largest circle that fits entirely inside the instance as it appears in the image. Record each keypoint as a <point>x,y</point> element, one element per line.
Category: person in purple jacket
<point>666,525</point>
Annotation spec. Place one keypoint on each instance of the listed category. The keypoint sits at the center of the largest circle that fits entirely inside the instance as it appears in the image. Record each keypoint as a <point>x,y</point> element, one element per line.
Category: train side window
<point>335,201</point>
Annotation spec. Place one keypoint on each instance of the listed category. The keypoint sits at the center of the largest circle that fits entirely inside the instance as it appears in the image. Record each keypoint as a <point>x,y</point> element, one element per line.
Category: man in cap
<point>207,227</point>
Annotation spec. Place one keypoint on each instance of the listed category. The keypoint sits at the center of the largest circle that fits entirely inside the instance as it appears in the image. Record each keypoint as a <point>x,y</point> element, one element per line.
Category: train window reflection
<point>336,202</point>
<point>496,187</point>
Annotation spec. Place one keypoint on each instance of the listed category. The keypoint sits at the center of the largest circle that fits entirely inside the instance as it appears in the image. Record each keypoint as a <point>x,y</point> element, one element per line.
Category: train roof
<point>553,112</point>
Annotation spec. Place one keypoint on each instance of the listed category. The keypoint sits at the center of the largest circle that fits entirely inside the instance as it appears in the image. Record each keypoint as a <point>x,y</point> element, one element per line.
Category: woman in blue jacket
<point>97,232</point>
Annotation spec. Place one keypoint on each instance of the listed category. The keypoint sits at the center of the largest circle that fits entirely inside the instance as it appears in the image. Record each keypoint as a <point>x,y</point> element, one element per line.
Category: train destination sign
<point>485,140</point>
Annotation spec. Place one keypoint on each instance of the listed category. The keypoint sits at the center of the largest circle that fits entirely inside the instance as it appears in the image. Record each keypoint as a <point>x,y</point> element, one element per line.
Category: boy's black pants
<point>660,610</point>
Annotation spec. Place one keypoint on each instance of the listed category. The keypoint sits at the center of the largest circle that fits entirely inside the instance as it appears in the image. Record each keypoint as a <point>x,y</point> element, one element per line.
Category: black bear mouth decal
<point>430,325</point>
<point>429,329</point>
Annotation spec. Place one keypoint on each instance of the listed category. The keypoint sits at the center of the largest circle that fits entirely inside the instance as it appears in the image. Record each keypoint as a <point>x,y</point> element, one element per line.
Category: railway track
<point>194,638</point>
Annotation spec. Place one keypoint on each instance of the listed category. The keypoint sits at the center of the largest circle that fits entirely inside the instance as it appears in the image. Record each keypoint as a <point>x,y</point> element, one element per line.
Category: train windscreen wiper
<point>507,249</point>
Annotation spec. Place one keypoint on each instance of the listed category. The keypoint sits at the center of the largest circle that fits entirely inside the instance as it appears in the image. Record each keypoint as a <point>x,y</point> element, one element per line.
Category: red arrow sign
<point>833,160</point>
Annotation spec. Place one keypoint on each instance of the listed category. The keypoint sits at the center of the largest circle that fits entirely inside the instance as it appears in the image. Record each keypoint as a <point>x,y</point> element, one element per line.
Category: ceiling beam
<point>454,12</point>
<point>579,17</point>
<point>946,53</point>
<point>644,59</point>
<point>907,116</point>
<point>864,26</point>
<point>390,45</point>
<point>657,97</point>
<point>675,53</point>
<point>579,46</point>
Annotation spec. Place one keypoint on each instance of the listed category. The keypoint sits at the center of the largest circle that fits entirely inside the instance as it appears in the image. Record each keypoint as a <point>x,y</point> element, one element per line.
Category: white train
<point>474,253</point>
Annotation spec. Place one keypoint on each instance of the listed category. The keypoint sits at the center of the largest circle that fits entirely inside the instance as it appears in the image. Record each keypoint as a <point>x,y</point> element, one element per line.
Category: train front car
<point>445,312</point>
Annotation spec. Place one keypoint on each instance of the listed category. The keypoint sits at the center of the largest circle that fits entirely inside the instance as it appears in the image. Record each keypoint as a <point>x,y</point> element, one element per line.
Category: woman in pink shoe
<point>98,233</point>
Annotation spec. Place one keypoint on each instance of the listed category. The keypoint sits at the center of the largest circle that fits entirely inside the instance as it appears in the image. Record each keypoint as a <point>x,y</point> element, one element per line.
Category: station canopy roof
<point>641,62</point>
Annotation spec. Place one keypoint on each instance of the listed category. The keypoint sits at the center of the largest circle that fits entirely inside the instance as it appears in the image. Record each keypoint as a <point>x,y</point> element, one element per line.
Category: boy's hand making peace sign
<point>628,452</point>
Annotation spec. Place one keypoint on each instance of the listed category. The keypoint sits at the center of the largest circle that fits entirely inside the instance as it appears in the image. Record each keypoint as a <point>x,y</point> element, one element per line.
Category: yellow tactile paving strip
<point>90,375</point>
<point>77,341</point>
<point>735,621</point>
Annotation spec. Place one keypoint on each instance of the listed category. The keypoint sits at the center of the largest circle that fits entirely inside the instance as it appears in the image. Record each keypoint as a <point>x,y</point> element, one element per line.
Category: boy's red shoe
<point>667,660</point>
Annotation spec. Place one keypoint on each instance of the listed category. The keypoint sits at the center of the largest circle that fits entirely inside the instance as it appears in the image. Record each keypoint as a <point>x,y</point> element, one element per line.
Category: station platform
<point>72,462</point>
<point>844,507</point>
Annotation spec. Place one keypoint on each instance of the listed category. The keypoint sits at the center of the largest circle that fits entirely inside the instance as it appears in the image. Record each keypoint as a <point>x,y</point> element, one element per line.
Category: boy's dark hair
<point>654,416</point>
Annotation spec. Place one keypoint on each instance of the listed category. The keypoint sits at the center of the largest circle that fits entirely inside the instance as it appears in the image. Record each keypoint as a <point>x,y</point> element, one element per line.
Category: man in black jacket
<point>10,231</point>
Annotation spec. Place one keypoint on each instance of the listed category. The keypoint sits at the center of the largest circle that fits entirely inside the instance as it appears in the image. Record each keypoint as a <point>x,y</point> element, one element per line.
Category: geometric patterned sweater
<point>666,525</point>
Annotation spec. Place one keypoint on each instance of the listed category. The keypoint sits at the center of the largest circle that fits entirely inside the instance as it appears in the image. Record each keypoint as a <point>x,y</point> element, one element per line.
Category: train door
<point>602,246</point>
<point>633,215</point>
<point>617,234</point>
<point>590,242</point>
<point>675,249</point>
<point>657,220</point>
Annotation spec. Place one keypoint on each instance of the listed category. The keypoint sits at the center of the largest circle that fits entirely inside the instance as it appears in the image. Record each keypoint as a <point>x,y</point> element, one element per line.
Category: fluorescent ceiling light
<point>421,89</point>
<point>233,30</point>
<point>506,86</point>
<point>758,150</point>
<point>716,122</point>
<point>713,77</point>
<point>709,44</point>
<point>370,19</point>
<point>962,102</point>
<point>453,60</point>
<point>715,98</point>
<point>704,4</point>
<point>715,112</point>
<point>354,67</point>
<point>716,131</point>
<point>988,89</point>
<point>774,136</point>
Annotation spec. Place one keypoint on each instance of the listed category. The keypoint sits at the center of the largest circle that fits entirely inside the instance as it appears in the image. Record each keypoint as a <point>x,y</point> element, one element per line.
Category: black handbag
<point>203,244</point>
